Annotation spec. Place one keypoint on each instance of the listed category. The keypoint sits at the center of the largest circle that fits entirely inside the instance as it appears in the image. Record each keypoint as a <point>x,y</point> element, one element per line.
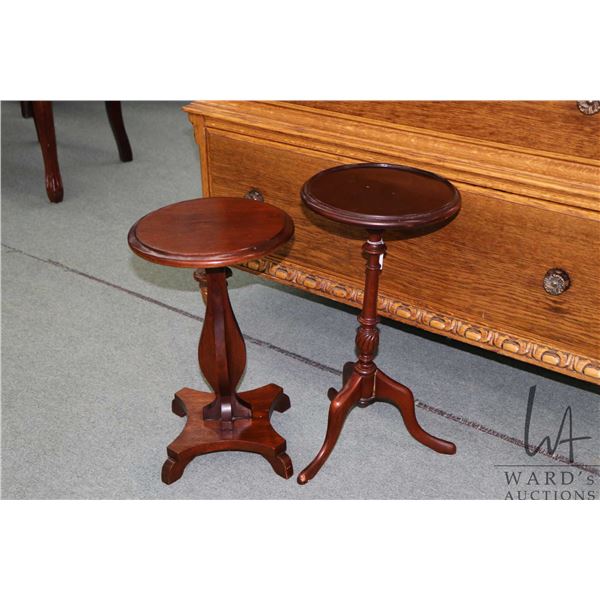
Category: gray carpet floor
<point>95,341</point>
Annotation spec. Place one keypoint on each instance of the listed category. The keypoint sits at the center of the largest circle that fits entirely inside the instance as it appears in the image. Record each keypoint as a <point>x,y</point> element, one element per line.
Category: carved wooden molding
<point>504,343</point>
<point>555,178</point>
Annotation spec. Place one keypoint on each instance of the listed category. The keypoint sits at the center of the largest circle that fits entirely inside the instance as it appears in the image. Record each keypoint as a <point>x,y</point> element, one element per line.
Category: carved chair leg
<point>402,398</point>
<point>26,109</point>
<point>115,118</point>
<point>339,408</point>
<point>44,125</point>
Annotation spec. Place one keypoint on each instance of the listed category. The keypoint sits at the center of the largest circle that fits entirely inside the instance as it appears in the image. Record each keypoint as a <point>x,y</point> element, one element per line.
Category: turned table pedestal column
<point>376,197</point>
<point>210,234</point>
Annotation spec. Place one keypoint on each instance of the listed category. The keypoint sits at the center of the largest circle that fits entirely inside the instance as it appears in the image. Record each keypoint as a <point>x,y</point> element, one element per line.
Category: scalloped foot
<point>255,434</point>
<point>281,403</point>
<point>172,470</point>
<point>282,465</point>
<point>178,407</point>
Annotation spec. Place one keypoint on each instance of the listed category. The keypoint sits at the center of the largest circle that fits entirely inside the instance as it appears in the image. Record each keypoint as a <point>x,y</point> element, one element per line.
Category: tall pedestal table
<point>376,197</point>
<point>209,234</point>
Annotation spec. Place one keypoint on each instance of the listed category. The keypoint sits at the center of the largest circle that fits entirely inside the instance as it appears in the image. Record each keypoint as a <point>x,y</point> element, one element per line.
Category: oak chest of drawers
<point>518,272</point>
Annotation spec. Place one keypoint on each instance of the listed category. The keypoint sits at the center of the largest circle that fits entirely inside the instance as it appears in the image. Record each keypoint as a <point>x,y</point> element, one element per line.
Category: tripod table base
<point>383,389</point>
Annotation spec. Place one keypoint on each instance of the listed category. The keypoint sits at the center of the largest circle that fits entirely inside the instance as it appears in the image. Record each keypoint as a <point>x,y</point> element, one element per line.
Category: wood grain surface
<point>480,279</point>
<point>381,196</point>
<point>547,126</point>
<point>209,232</point>
<point>564,182</point>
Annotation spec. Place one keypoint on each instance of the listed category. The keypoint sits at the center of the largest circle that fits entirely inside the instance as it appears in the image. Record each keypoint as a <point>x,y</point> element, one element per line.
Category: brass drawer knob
<point>588,107</point>
<point>556,281</point>
<point>254,194</point>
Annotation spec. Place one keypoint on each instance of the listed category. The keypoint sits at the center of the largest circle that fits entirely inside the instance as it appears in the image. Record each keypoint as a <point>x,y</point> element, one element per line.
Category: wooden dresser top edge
<point>577,178</point>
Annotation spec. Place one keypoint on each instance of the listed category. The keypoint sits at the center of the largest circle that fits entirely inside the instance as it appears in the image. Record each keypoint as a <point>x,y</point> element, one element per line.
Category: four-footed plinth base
<point>256,434</point>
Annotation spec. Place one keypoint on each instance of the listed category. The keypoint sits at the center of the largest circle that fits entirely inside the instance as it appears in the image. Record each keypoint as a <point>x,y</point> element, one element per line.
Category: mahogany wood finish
<point>44,124</point>
<point>115,118</point>
<point>26,110</point>
<point>208,234</point>
<point>381,196</point>
<point>530,205</point>
<point>378,197</point>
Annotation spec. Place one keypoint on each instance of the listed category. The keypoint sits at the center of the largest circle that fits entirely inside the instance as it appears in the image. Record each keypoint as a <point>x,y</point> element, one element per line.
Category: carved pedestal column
<point>363,382</point>
<point>367,336</point>
<point>225,420</point>
<point>222,350</point>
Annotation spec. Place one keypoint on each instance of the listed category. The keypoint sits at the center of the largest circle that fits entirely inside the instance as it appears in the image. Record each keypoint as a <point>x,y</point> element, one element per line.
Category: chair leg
<point>115,118</point>
<point>44,125</point>
<point>26,110</point>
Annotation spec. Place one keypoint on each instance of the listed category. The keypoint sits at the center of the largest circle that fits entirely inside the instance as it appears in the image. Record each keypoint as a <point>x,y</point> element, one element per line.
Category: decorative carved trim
<point>589,107</point>
<point>522,349</point>
<point>367,339</point>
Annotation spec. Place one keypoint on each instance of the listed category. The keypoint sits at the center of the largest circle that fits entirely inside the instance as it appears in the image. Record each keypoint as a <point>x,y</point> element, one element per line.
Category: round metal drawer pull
<point>556,281</point>
<point>589,107</point>
<point>254,194</point>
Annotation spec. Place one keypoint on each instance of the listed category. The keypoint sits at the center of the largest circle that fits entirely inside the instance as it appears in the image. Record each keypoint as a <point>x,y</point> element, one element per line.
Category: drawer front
<point>559,127</point>
<point>487,267</point>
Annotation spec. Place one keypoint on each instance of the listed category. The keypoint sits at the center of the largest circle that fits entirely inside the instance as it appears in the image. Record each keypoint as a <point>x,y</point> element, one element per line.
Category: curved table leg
<point>346,372</point>
<point>339,408</point>
<point>402,398</point>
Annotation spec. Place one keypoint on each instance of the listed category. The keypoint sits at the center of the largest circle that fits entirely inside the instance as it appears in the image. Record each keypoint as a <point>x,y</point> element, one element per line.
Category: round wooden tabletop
<point>210,232</point>
<point>381,196</point>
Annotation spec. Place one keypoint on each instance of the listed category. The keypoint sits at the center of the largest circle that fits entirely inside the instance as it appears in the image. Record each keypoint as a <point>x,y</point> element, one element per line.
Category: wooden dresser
<point>517,272</point>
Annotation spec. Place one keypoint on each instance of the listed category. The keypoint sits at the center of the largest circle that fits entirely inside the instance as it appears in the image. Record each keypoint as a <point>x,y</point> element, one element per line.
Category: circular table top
<point>381,196</point>
<point>210,232</point>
